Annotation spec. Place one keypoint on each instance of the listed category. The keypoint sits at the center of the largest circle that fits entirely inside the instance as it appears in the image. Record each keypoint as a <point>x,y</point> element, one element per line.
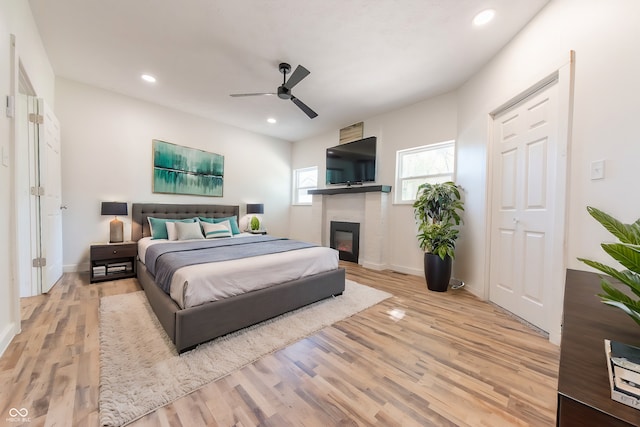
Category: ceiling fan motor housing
<point>283,92</point>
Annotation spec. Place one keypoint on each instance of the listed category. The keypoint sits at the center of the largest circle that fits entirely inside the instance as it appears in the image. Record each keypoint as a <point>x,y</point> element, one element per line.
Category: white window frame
<point>296,189</point>
<point>415,150</point>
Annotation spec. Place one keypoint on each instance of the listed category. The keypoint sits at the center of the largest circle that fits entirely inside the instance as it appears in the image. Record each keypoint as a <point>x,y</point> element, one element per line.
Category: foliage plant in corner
<point>627,253</point>
<point>437,211</point>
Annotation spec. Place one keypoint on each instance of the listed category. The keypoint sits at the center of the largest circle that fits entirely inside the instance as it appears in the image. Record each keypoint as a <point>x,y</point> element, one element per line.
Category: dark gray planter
<point>437,272</point>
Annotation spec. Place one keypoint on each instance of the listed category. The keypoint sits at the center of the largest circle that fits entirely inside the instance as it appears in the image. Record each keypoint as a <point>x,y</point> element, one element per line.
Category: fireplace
<point>345,237</point>
<point>366,205</point>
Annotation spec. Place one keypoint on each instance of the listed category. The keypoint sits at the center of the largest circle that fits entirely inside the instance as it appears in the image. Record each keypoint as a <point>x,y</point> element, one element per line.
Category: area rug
<point>141,371</point>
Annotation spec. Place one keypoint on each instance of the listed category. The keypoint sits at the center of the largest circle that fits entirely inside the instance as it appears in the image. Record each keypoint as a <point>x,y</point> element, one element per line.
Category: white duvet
<point>197,284</point>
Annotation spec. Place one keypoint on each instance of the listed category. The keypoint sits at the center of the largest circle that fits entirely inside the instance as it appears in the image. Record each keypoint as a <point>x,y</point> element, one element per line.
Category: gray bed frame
<point>192,326</point>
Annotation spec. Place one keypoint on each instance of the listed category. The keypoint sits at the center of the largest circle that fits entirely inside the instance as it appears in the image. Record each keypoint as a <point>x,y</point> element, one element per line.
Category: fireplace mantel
<point>351,189</point>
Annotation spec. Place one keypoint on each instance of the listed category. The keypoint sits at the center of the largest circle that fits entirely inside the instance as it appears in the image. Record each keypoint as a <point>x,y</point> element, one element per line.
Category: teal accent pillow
<point>214,231</point>
<point>233,220</point>
<point>159,227</point>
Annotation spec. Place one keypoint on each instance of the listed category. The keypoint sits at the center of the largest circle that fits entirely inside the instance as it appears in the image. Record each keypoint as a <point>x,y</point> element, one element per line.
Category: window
<point>304,179</point>
<point>415,166</point>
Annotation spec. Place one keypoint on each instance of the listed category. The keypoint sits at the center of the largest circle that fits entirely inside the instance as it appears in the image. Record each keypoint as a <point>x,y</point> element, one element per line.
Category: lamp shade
<point>114,208</point>
<point>255,208</point>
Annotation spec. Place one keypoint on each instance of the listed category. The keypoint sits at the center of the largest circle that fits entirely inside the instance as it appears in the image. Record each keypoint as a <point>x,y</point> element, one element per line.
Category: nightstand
<point>111,261</point>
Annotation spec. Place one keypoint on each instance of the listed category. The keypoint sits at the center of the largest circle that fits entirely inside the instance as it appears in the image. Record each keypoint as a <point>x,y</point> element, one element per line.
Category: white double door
<point>525,242</point>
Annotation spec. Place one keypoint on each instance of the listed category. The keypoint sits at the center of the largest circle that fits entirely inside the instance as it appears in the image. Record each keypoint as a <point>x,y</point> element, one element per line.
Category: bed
<point>187,327</point>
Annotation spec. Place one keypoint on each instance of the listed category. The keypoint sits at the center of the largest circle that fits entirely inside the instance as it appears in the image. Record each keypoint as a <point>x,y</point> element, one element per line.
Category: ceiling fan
<point>284,90</point>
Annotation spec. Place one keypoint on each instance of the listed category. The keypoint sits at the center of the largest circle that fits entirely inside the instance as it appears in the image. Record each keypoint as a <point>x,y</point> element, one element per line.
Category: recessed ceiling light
<point>271,120</point>
<point>484,17</point>
<point>148,78</point>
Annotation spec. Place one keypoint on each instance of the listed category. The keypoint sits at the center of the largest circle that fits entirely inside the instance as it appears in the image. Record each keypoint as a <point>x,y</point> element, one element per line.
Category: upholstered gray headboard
<point>141,211</point>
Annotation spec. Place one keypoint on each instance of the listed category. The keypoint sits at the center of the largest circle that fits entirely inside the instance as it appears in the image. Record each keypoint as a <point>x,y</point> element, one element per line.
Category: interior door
<point>34,200</point>
<point>50,197</point>
<point>28,245</point>
<point>525,156</point>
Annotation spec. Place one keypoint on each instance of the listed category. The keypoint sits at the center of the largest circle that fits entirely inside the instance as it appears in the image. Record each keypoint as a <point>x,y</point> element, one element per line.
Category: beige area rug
<point>141,371</point>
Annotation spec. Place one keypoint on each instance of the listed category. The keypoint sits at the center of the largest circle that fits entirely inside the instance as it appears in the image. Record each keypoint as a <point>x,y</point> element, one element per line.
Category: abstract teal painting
<point>183,170</point>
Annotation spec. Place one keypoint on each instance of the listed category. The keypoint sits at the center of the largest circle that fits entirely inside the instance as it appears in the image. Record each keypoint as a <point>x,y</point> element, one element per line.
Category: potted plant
<point>627,253</point>
<point>255,223</point>
<point>437,211</point>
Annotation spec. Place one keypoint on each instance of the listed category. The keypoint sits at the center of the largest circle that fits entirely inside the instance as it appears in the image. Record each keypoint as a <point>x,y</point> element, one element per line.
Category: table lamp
<point>115,209</point>
<point>255,208</point>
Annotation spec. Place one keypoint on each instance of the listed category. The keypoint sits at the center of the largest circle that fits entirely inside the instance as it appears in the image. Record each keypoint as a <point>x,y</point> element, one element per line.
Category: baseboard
<point>475,291</point>
<point>6,335</point>
<point>374,266</point>
<point>71,268</point>
<point>555,337</point>
<point>75,268</point>
<point>407,270</point>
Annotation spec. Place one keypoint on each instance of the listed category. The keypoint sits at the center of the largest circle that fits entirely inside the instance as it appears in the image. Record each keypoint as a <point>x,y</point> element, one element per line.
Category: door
<point>27,226</point>
<point>50,196</point>
<point>38,197</point>
<point>523,243</point>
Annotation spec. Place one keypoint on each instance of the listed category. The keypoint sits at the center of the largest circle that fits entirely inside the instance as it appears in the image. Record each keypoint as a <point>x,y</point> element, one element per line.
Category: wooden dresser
<point>584,395</point>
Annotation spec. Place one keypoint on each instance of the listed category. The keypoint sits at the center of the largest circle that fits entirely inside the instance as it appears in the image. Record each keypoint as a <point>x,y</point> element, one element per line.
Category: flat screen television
<point>352,163</point>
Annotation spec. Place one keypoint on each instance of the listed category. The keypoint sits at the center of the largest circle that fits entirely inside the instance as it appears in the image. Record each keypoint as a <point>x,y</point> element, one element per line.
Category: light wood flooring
<point>419,358</point>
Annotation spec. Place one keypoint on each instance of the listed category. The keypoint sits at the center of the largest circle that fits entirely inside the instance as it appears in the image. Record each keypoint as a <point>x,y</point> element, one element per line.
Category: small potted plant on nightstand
<point>437,211</point>
<point>255,223</point>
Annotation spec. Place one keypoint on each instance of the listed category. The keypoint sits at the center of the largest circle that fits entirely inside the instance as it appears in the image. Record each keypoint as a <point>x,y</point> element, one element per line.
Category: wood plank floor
<point>419,358</point>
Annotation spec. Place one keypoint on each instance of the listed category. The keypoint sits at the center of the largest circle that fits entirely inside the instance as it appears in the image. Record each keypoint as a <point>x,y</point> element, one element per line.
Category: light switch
<point>597,170</point>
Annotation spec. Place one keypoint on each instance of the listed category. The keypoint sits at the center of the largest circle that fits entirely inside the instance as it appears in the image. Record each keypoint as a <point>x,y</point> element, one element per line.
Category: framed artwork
<point>184,170</point>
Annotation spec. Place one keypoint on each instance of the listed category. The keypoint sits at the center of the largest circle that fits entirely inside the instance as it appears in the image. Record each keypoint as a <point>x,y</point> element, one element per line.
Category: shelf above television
<point>352,189</point>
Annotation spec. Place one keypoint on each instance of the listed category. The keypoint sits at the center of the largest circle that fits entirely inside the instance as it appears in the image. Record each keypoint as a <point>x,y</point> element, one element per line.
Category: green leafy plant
<point>627,253</point>
<point>437,211</point>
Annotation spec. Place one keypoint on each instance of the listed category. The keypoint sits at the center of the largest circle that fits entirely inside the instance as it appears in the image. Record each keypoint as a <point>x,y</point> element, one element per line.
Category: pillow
<point>188,230</point>
<point>172,233</point>
<point>213,231</point>
<point>159,228</point>
<point>233,220</point>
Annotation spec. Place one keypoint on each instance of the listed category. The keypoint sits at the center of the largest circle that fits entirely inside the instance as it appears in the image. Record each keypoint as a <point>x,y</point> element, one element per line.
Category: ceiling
<point>365,57</point>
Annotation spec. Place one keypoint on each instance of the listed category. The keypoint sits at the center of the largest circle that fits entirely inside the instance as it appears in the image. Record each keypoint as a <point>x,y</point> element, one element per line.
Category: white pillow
<point>171,230</point>
<point>213,231</point>
<point>188,230</point>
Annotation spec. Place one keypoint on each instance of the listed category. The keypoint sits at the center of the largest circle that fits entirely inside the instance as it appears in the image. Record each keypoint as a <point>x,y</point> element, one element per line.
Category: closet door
<point>523,242</point>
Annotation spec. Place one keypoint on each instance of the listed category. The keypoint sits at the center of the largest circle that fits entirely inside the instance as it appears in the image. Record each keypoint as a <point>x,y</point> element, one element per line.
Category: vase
<point>437,272</point>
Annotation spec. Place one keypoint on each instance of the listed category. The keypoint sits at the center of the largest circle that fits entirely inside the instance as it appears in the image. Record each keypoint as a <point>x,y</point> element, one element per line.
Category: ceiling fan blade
<point>299,74</point>
<point>250,94</point>
<point>308,111</point>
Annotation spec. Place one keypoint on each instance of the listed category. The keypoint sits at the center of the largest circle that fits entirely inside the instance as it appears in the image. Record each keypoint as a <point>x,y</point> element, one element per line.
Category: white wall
<point>16,19</point>
<point>107,156</point>
<point>427,122</point>
<point>604,36</point>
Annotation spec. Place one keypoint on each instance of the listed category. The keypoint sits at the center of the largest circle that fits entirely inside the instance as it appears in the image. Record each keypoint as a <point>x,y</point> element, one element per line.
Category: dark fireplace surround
<point>345,238</point>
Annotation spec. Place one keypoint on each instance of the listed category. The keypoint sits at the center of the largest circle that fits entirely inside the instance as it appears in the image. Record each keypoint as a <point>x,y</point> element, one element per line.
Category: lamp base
<point>116,231</point>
